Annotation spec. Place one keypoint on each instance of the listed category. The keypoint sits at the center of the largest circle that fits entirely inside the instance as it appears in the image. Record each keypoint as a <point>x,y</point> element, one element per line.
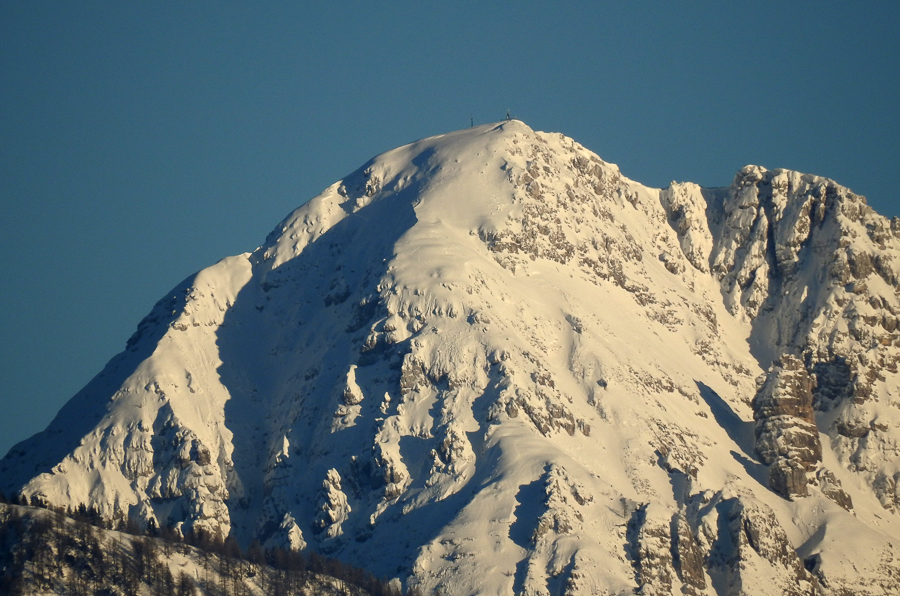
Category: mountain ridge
<point>491,341</point>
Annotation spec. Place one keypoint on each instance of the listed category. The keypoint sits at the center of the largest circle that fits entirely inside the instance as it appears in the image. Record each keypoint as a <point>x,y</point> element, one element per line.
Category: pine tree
<point>185,585</point>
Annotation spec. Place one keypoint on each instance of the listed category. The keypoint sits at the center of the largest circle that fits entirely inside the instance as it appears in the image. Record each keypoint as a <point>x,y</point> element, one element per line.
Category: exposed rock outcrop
<point>787,438</point>
<point>333,507</point>
<point>687,557</point>
<point>756,552</point>
<point>831,488</point>
<point>651,551</point>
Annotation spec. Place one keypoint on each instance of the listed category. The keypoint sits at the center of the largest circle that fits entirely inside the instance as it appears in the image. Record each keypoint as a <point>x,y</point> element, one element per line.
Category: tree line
<point>79,552</point>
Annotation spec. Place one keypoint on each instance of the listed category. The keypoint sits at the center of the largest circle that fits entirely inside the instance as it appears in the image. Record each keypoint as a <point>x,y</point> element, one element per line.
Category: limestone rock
<point>786,434</point>
<point>831,488</point>
<point>687,557</point>
<point>651,553</point>
<point>333,507</point>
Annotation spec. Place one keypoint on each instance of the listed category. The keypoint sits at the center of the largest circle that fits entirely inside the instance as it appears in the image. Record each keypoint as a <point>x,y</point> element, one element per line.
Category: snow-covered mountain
<point>488,363</point>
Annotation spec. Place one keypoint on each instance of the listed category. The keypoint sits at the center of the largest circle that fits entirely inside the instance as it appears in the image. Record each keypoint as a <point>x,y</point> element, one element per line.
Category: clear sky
<point>141,142</point>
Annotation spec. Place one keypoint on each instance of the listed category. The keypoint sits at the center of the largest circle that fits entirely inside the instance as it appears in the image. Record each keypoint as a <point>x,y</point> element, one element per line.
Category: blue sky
<point>144,141</point>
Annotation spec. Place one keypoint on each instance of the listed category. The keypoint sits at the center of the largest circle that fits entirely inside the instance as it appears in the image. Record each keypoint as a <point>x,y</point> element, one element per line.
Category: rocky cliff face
<point>787,438</point>
<point>488,362</point>
<point>817,269</point>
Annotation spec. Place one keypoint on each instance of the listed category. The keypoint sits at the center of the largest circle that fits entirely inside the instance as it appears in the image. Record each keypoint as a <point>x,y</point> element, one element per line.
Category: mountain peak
<point>490,341</point>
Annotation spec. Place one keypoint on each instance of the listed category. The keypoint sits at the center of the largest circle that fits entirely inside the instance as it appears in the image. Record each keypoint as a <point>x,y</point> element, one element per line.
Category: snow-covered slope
<point>488,363</point>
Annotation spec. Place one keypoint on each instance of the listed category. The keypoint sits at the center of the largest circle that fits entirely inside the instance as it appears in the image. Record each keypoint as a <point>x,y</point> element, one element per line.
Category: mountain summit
<point>488,363</point>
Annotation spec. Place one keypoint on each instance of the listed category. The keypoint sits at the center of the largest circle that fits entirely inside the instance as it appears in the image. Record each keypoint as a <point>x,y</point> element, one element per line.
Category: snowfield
<point>488,363</point>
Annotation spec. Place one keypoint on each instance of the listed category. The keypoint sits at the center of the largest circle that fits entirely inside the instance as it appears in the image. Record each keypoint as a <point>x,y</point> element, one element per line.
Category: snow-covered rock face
<point>488,363</point>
